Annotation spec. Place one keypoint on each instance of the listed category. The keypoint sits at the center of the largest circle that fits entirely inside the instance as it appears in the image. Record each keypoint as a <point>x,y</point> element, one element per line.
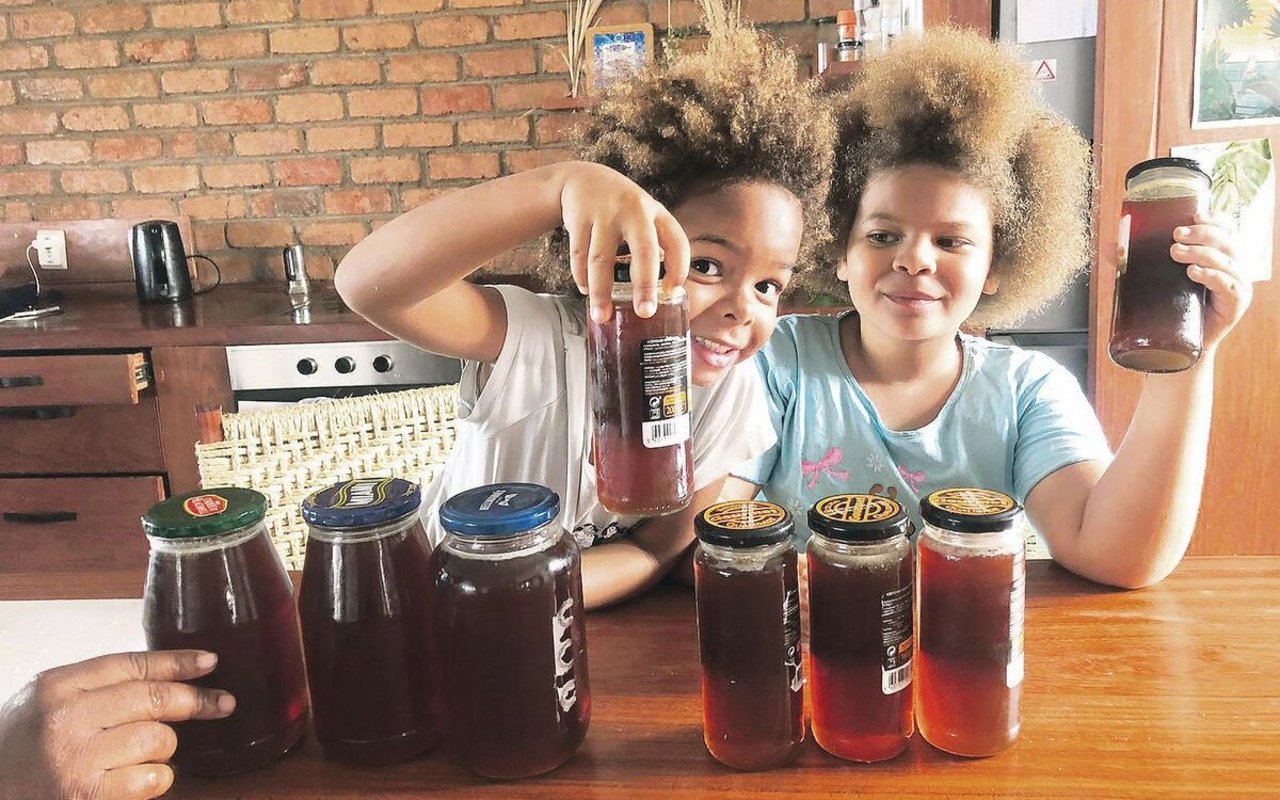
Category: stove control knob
<point>345,365</point>
<point>308,366</point>
<point>383,364</point>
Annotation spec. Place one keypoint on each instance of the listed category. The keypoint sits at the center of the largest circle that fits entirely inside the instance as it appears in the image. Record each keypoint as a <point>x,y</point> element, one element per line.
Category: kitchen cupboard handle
<point>38,412</point>
<point>40,517</point>
<point>20,381</point>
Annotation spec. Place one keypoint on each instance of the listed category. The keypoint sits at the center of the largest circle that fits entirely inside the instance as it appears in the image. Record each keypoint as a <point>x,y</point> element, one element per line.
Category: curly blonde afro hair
<point>736,112</point>
<point>954,99</point>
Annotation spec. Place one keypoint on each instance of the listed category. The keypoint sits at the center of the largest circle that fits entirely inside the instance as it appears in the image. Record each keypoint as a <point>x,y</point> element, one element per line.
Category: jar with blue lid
<point>365,606</point>
<point>507,591</point>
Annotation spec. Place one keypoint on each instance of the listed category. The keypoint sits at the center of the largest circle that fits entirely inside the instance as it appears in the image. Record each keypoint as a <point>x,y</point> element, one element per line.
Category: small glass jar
<point>971,605</point>
<point>508,614</point>
<point>1158,319</point>
<point>365,609</point>
<point>861,587</point>
<point>748,598</point>
<point>640,378</point>
<point>216,583</point>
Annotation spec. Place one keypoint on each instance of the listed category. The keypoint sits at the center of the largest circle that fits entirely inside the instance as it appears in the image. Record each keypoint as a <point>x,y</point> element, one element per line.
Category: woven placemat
<point>289,452</point>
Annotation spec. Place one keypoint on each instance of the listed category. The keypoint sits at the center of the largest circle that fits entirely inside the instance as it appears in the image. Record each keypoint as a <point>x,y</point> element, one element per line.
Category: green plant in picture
<point>1238,175</point>
<point>1217,98</point>
<point>1224,13</point>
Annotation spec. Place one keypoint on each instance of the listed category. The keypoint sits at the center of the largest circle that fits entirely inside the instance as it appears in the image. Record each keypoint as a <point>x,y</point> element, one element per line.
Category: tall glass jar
<point>860,625</point>
<point>365,605</point>
<point>748,598</point>
<point>216,583</point>
<point>971,607</point>
<point>1158,320</point>
<point>508,614</point>
<point>640,377</point>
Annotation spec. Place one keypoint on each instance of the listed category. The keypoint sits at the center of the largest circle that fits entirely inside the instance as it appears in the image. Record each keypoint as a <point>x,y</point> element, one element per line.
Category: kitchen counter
<point>110,316</point>
<point>1169,691</point>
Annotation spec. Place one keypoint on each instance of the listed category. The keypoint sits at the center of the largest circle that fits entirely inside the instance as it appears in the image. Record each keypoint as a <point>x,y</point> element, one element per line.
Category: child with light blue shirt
<point>959,201</point>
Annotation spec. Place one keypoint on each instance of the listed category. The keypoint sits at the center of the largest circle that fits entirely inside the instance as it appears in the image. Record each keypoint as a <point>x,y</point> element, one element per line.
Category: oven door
<point>269,376</point>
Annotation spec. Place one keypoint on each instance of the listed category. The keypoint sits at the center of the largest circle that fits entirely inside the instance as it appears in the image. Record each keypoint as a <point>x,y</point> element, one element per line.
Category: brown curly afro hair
<point>735,112</point>
<point>954,99</point>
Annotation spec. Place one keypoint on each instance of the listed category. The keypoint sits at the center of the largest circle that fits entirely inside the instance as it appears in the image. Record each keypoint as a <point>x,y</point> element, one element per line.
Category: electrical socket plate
<point>51,249</point>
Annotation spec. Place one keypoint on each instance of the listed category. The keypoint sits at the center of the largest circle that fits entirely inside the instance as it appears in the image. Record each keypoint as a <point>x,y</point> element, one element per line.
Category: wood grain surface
<point>1167,692</point>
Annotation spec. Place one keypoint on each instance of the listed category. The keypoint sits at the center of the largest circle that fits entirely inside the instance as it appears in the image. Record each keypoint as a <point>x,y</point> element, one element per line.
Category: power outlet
<point>51,249</point>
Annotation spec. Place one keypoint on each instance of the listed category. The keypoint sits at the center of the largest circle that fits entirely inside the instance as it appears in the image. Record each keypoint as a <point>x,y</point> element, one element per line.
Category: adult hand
<point>602,209</point>
<point>94,730</point>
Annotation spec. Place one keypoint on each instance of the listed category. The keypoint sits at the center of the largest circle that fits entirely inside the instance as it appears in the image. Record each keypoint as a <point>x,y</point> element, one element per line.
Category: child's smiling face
<point>744,239</point>
<point>918,258</point>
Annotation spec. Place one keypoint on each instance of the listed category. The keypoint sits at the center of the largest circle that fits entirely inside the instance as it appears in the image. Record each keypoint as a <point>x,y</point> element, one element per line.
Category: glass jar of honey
<point>1158,319</point>
<point>748,599</point>
<point>860,625</point>
<point>216,583</point>
<point>508,614</point>
<point>971,605</point>
<point>640,377</point>
<point>365,605</point>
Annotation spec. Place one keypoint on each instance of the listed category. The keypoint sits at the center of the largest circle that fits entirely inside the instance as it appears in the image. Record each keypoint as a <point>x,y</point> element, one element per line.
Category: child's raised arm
<point>1128,523</point>
<point>408,276</point>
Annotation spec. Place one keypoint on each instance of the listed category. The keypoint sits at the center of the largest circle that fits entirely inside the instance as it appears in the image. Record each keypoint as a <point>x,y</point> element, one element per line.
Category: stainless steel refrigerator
<point>1061,331</point>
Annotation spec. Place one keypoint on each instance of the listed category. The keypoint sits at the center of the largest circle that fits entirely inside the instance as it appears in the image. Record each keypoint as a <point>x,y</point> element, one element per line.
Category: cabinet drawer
<point>75,440</point>
<point>67,524</point>
<point>72,380</point>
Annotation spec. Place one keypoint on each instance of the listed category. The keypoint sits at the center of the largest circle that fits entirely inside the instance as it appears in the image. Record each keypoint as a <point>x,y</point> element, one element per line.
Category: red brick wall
<point>271,122</point>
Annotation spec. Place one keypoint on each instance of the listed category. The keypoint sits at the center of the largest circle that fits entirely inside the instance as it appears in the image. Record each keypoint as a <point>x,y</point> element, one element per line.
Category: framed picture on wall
<point>617,51</point>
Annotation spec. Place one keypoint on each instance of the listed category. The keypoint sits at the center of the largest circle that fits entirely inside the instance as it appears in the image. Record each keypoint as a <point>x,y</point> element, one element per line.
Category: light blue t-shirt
<point>1014,417</point>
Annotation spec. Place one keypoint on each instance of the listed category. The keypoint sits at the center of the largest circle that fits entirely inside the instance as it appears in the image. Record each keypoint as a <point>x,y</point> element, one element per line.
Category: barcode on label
<point>665,432</point>
<point>895,680</point>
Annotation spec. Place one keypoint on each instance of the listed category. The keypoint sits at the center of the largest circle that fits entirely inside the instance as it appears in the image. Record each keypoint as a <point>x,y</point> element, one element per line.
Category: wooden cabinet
<point>88,442</point>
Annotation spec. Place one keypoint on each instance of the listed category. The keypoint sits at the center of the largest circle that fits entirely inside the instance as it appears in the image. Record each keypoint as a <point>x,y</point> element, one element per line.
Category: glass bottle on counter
<point>365,604</point>
<point>860,626</point>
<point>640,378</point>
<point>507,583</point>
<point>971,606</point>
<point>1158,319</point>
<point>748,599</point>
<point>216,583</point>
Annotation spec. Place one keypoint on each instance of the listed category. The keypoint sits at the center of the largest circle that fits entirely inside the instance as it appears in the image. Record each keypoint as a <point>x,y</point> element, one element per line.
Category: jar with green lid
<point>216,583</point>
<point>748,599</point>
<point>860,625</point>
<point>971,603</point>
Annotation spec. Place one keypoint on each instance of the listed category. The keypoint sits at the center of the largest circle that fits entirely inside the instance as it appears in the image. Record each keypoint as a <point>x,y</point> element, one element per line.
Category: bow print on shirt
<point>824,466</point>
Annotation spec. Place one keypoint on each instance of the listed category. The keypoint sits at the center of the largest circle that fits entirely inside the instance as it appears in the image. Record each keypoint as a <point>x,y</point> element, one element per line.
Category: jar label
<point>664,368</point>
<point>858,507</point>
<point>562,633</point>
<point>791,634</point>
<point>362,493</point>
<point>205,505</point>
<point>744,515</point>
<point>895,632</point>
<point>1017,613</point>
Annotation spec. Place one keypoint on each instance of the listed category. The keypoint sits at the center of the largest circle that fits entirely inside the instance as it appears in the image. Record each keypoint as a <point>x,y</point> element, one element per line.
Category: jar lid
<point>622,266</point>
<point>970,510</point>
<point>1168,161</point>
<point>205,512</point>
<point>846,16</point>
<point>859,518</point>
<point>361,503</point>
<point>744,523</point>
<point>500,509</point>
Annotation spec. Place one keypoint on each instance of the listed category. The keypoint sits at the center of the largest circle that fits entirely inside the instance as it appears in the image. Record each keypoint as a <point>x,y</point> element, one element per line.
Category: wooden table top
<point>1169,692</point>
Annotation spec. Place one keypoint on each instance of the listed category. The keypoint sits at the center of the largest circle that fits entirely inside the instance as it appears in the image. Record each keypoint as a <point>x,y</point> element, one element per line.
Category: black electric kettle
<point>159,262</point>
